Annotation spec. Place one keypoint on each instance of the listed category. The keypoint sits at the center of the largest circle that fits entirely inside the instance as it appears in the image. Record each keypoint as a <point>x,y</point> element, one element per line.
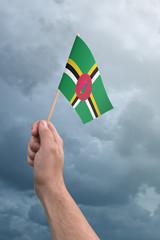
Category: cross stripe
<point>69,67</point>
<point>74,72</point>
<point>94,72</point>
<point>90,109</point>
<point>92,106</point>
<point>95,77</point>
<point>71,75</point>
<point>95,105</point>
<point>75,101</point>
<point>75,66</point>
<point>73,98</point>
<point>92,69</point>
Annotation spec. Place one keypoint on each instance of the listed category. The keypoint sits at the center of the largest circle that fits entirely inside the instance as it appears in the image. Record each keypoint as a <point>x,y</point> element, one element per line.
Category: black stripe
<point>72,70</point>
<point>75,100</point>
<point>94,110</point>
<point>94,72</point>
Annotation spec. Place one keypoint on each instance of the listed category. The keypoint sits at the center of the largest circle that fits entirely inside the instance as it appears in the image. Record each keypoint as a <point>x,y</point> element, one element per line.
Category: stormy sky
<point>112,164</point>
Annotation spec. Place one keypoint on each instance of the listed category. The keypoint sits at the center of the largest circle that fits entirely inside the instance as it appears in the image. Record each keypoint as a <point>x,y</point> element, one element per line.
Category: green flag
<point>82,85</point>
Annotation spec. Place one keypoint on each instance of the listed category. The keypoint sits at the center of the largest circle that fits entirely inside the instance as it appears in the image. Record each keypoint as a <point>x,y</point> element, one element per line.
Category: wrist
<point>52,198</point>
<point>45,191</point>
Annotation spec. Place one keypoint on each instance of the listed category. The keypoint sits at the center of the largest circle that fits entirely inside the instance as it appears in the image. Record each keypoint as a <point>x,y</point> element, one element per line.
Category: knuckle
<point>35,146</point>
<point>53,148</point>
<point>61,152</point>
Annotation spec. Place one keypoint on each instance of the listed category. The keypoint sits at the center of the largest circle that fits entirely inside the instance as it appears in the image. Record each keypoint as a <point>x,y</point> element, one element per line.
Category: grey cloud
<point>125,222</point>
<point>37,214</point>
<point>26,68</point>
<point>7,232</point>
<point>72,145</point>
<point>15,212</point>
<point>107,160</point>
<point>116,222</point>
<point>59,1</point>
<point>13,154</point>
<point>138,129</point>
<point>32,56</point>
<point>104,168</point>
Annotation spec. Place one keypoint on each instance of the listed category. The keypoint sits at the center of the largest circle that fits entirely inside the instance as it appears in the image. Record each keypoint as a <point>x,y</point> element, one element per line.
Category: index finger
<point>56,136</point>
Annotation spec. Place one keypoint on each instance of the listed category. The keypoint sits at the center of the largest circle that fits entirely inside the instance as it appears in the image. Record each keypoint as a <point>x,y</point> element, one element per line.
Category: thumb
<point>45,133</point>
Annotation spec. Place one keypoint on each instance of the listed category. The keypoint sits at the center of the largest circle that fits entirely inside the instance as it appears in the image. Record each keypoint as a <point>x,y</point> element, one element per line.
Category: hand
<point>45,154</point>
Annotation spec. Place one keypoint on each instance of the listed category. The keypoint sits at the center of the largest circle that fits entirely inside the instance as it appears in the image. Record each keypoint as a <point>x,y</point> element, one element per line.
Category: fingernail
<point>44,123</point>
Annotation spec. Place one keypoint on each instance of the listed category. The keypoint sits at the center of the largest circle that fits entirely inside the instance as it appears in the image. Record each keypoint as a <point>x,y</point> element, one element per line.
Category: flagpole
<point>55,100</point>
<point>53,105</point>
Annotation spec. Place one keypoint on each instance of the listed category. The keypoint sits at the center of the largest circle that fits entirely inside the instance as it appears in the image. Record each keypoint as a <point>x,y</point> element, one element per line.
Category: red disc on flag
<point>84,87</point>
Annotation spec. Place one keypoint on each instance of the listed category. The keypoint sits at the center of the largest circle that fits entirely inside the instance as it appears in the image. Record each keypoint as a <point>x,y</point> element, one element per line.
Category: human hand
<point>46,156</point>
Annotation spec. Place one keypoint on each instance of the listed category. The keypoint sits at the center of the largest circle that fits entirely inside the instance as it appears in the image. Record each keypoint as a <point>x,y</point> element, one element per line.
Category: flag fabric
<point>82,85</point>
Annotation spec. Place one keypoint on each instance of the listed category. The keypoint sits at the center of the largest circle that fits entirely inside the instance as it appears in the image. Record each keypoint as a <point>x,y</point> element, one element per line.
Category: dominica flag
<point>82,85</point>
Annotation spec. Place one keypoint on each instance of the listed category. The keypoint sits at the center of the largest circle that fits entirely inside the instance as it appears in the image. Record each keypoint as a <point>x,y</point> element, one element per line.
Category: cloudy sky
<point>112,165</point>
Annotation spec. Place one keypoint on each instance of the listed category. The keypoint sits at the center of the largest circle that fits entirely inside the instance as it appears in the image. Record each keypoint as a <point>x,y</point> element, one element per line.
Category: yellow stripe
<point>74,96</point>
<point>95,105</point>
<point>92,69</point>
<point>74,65</point>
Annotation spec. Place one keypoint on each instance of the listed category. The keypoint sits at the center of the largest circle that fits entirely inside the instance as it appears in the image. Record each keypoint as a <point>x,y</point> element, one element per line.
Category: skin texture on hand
<point>46,156</point>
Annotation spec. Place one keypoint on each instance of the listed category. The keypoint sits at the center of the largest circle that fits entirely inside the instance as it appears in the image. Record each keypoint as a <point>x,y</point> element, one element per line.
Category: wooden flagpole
<point>55,100</point>
<point>53,105</point>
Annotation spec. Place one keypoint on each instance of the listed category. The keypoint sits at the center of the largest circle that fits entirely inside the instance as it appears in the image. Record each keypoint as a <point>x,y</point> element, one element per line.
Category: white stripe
<point>95,77</point>
<point>77,102</point>
<point>90,109</point>
<point>70,74</point>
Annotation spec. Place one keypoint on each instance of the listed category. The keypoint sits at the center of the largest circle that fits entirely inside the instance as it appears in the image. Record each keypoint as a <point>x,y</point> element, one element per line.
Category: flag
<point>82,85</point>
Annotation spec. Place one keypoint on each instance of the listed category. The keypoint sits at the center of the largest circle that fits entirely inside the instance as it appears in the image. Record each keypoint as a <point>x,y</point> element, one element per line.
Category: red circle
<point>84,87</point>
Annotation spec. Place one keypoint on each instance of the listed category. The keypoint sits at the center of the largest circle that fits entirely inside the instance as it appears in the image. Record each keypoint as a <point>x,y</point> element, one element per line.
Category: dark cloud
<point>103,168</point>
<point>15,213</point>
<point>37,214</point>
<point>22,217</point>
<point>13,154</point>
<point>7,231</point>
<point>138,129</point>
<point>106,161</point>
<point>30,55</point>
<point>126,222</point>
<point>25,68</point>
<point>59,1</point>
